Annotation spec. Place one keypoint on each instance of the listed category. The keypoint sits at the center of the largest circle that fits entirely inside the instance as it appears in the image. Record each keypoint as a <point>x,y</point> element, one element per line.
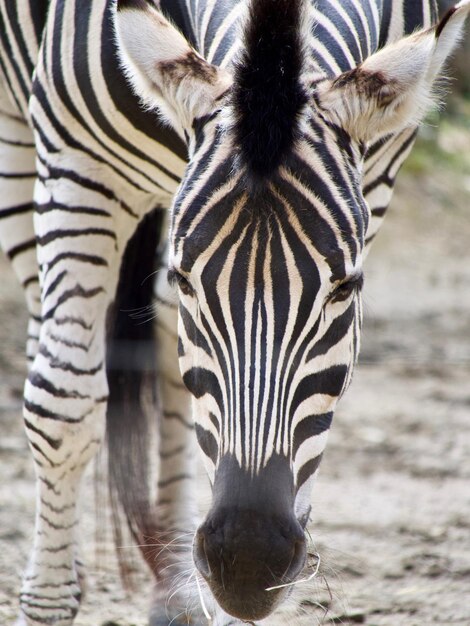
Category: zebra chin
<point>251,540</point>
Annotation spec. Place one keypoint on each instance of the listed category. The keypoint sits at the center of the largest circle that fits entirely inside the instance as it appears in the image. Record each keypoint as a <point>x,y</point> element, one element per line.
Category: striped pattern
<point>270,308</point>
<point>258,356</point>
<point>268,277</point>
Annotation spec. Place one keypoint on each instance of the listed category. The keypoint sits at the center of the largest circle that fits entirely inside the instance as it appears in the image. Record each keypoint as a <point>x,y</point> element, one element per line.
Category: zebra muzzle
<point>251,543</point>
<point>242,555</point>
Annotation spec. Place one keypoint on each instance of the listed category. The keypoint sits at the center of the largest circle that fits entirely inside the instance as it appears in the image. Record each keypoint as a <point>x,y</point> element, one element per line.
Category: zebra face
<point>269,279</point>
<point>267,236</point>
<point>269,318</point>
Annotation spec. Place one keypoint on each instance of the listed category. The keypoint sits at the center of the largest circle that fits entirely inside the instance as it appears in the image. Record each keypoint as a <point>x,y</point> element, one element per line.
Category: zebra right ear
<point>393,88</point>
<point>164,70</point>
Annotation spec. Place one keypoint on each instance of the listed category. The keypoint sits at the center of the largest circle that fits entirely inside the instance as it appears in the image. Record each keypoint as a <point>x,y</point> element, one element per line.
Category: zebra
<point>274,129</point>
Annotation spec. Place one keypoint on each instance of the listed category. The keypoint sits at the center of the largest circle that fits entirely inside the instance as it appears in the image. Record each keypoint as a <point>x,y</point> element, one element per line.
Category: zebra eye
<point>346,288</point>
<point>183,284</point>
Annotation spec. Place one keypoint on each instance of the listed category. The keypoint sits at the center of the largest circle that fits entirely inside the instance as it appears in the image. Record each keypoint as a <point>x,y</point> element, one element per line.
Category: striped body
<point>268,267</point>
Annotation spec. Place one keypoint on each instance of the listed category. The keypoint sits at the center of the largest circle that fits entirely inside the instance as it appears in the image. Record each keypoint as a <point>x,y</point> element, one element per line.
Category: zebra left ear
<point>393,88</point>
<point>165,71</point>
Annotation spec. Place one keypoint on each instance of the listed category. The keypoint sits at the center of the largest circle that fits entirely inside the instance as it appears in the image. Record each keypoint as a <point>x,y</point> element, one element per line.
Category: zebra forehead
<point>268,246</point>
<point>280,216</point>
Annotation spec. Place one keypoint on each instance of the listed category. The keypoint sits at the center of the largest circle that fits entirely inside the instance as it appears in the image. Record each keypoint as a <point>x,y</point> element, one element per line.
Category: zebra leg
<point>17,236</point>
<point>17,239</point>
<point>66,390</point>
<point>176,600</point>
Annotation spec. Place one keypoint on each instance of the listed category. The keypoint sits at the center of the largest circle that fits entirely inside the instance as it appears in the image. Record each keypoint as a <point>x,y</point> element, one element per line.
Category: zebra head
<point>267,240</point>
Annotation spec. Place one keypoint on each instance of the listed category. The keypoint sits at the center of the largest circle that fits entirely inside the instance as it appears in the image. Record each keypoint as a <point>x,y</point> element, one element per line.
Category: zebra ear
<point>165,72</point>
<point>393,88</point>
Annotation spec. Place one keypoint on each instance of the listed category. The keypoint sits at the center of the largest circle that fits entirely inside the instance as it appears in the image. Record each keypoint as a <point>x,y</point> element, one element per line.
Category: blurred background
<point>391,510</point>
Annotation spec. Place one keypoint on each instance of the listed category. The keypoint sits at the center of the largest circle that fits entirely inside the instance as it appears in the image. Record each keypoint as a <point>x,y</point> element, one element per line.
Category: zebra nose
<point>244,556</point>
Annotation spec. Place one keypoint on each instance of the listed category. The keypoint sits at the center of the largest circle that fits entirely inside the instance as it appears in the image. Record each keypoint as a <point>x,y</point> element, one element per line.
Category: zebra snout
<point>243,554</point>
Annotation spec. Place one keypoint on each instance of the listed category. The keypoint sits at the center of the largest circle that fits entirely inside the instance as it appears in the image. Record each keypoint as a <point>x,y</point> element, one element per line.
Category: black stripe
<point>207,442</point>
<point>10,8</point>
<point>200,381</point>
<point>310,426</point>
<point>73,320</point>
<point>336,331</point>
<point>29,281</point>
<point>52,487</point>
<point>317,229</point>
<point>17,175</point>
<point>413,15</point>
<point>346,34</point>
<point>17,143</point>
<point>373,149</point>
<point>213,222</point>
<point>69,343</point>
<point>16,210</point>
<point>20,248</point>
<point>307,470</point>
<point>171,453</point>
<point>65,566</point>
<point>385,22</point>
<point>37,380</point>
<point>65,366</point>
<point>76,292</point>
<point>41,411</point>
<point>329,381</point>
<point>81,210</point>
<point>50,549</point>
<point>333,46</point>
<point>35,446</point>
<point>195,336</point>
<point>84,182</point>
<point>92,259</point>
<point>385,177</point>
<point>15,22</point>
<point>38,9</point>
<point>55,283</point>
<point>53,443</point>
<point>61,234</point>
<point>174,415</point>
<point>169,481</point>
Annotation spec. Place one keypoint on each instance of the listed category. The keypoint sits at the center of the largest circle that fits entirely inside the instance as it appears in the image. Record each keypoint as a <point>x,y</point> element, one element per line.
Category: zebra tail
<point>132,404</point>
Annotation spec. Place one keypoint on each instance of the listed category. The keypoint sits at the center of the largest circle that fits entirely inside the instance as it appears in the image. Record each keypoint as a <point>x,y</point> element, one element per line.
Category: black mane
<point>268,93</point>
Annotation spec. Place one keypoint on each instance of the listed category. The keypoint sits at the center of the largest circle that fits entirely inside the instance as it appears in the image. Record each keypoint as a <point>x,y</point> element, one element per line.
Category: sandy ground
<point>391,514</point>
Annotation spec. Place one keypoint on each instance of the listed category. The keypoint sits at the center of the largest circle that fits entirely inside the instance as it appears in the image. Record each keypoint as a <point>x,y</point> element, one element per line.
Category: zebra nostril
<point>200,555</point>
<point>298,560</point>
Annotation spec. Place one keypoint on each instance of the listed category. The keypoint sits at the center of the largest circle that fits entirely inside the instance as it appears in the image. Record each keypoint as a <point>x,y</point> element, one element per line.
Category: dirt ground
<point>391,507</point>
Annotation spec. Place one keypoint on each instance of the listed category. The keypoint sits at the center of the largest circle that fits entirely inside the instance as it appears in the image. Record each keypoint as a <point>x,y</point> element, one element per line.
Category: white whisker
<point>178,586</point>
<point>201,597</point>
